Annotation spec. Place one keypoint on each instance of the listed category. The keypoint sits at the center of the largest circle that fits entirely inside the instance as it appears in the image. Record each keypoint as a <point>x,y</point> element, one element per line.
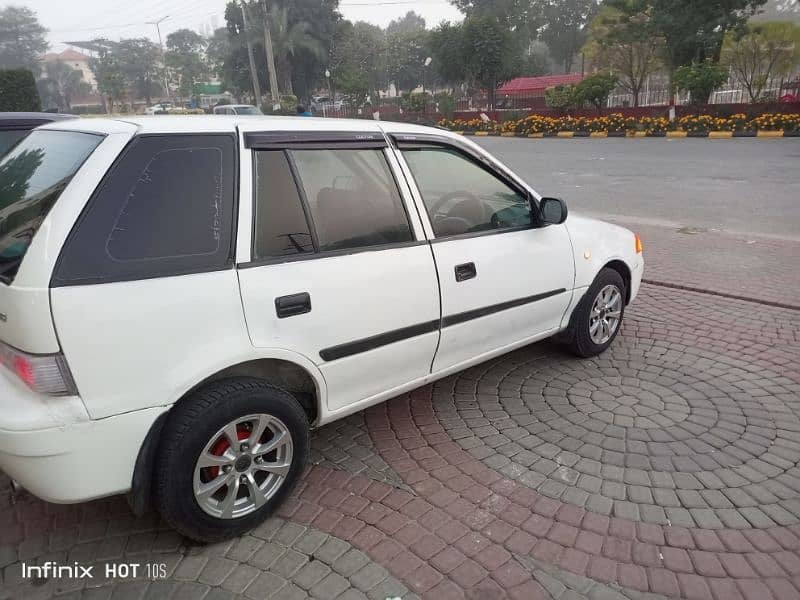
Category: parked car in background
<point>322,104</point>
<point>15,125</point>
<point>237,109</point>
<point>183,299</point>
<point>161,108</point>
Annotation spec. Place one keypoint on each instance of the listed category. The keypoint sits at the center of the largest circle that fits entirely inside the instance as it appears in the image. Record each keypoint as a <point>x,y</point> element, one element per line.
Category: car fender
<point>595,244</point>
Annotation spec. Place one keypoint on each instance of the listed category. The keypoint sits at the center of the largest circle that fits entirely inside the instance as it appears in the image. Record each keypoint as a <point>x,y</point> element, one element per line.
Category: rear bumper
<point>55,452</point>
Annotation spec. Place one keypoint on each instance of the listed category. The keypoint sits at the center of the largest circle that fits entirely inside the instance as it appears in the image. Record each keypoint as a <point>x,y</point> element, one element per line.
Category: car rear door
<point>339,270</point>
<point>504,279</point>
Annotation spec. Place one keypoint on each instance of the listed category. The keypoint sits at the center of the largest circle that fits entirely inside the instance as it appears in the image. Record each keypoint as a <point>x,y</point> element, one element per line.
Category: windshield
<point>32,176</point>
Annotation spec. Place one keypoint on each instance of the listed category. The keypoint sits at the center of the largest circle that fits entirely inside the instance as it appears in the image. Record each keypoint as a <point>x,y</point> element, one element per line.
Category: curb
<point>714,135</point>
<point>698,290</point>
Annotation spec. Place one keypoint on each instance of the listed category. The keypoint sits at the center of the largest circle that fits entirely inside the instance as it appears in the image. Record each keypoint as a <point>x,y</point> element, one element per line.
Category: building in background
<point>76,60</point>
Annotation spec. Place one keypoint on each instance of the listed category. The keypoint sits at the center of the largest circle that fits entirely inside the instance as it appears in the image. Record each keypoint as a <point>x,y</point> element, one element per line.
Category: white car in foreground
<point>183,298</point>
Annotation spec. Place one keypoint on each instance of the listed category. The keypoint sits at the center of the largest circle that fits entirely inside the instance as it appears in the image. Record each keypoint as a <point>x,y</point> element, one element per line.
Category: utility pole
<point>273,76</point>
<point>161,45</point>
<point>253,72</point>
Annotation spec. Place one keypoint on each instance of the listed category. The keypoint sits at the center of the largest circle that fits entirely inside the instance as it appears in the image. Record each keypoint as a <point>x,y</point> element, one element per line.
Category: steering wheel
<point>463,194</point>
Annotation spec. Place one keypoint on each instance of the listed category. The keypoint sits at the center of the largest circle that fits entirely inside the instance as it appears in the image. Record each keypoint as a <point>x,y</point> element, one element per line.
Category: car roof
<point>29,120</point>
<point>230,123</point>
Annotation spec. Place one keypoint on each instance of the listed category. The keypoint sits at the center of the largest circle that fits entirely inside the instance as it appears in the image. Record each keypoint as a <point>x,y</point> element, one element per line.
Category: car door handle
<point>292,305</point>
<point>466,271</point>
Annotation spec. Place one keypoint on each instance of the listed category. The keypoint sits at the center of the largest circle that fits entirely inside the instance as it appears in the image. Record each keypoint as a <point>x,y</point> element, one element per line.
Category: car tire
<point>252,481</point>
<point>583,338</point>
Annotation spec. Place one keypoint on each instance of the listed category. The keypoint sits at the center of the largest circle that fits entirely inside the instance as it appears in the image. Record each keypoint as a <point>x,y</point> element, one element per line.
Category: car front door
<point>505,280</point>
<point>340,270</point>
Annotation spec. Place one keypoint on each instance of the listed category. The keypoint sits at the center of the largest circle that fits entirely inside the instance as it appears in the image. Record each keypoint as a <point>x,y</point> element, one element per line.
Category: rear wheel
<point>229,455</point>
<point>598,317</point>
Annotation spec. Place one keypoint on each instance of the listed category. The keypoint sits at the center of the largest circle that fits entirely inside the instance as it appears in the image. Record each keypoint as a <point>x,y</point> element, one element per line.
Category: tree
<point>621,42</point>
<point>357,62</point>
<point>446,42</point>
<point>490,53</point>
<point>536,60</point>
<point>22,39</point>
<point>700,79</point>
<point>406,53</point>
<point>761,52</point>
<point>129,66</point>
<point>289,38</point>
<point>692,30</point>
<point>108,73</point>
<point>60,84</point>
<point>308,63</point>
<point>185,57</point>
<point>596,89</point>
<point>566,28</point>
<point>230,54</point>
<point>410,23</point>
<point>522,16</point>
<point>561,97</point>
<point>18,91</point>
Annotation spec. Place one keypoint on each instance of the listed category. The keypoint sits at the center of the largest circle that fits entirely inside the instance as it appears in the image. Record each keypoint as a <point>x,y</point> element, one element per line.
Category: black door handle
<point>466,271</point>
<point>294,304</point>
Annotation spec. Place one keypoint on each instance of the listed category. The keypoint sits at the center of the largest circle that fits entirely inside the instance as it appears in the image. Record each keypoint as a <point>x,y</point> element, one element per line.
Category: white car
<point>158,109</point>
<point>237,109</point>
<point>182,300</point>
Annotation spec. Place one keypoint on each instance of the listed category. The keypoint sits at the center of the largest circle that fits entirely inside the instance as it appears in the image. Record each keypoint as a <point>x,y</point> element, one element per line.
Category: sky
<point>74,20</point>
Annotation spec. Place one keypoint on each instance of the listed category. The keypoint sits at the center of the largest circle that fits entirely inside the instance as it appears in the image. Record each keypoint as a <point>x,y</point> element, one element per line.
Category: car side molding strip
<point>477,313</point>
<point>404,333</point>
<point>376,341</point>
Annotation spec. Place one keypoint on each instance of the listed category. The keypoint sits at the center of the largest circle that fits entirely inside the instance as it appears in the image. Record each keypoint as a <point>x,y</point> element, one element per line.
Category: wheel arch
<point>290,375</point>
<point>621,267</point>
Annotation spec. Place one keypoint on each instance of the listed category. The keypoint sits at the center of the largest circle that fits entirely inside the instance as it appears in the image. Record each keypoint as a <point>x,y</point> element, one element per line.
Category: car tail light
<point>44,374</point>
<point>638,242</point>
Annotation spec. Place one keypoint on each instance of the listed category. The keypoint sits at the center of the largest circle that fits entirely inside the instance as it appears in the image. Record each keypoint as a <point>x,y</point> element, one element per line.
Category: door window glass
<point>463,197</point>
<point>352,197</point>
<point>281,228</point>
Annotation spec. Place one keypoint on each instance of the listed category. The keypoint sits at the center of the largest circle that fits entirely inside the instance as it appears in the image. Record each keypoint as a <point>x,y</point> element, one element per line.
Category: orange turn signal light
<point>638,242</point>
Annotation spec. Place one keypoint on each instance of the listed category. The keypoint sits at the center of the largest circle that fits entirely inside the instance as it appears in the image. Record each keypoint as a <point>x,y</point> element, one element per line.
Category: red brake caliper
<point>222,446</point>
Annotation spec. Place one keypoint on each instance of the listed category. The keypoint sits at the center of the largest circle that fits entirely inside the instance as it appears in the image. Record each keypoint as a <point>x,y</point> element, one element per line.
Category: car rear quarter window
<point>353,198</point>
<point>32,177</point>
<point>165,208</point>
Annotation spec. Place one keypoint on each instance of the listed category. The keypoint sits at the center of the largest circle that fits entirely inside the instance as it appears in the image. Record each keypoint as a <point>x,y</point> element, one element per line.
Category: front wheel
<point>229,455</point>
<point>598,316</point>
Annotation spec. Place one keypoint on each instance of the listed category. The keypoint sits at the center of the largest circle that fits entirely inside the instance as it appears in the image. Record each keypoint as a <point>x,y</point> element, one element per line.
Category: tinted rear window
<point>165,208</point>
<point>32,176</point>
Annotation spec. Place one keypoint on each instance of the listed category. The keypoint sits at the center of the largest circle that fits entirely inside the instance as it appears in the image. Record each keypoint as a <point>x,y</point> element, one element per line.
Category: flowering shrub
<point>470,125</point>
<point>539,124</point>
<point>776,122</point>
<point>695,124</point>
<point>655,125</point>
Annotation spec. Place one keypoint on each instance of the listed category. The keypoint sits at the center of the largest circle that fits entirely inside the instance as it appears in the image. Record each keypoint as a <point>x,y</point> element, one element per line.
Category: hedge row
<point>538,124</point>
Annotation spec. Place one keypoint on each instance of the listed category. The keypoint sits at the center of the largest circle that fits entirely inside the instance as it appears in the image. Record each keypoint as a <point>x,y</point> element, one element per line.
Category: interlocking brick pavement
<point>667,467</point>
<point>278,560</point>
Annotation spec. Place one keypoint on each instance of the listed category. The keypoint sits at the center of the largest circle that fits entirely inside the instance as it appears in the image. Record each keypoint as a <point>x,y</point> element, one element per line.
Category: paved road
<point>749,186</point>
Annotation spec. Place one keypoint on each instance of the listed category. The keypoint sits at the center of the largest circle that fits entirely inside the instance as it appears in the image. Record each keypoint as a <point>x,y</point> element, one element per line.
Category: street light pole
<point>161,45</point>
<point>425,66</point>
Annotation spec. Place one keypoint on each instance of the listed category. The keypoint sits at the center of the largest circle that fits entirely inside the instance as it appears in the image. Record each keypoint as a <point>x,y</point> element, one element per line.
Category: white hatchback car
<point>183,298</point>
